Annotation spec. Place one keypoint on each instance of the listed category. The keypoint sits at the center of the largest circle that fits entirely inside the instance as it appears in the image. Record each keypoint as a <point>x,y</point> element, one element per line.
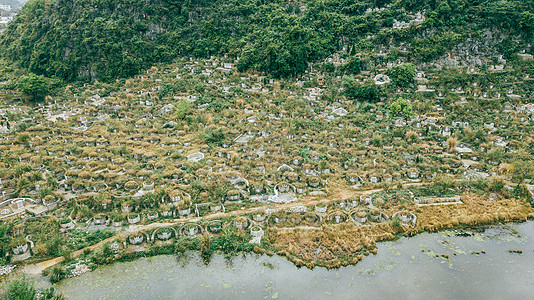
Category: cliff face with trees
<point>85,40</point>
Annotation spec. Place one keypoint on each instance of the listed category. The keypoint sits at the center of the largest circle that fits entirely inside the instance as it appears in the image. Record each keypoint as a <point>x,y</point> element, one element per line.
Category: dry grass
<point>343,244</point>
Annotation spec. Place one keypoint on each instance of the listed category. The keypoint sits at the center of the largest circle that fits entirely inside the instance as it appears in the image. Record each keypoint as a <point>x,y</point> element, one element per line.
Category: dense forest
<point>87,40</point>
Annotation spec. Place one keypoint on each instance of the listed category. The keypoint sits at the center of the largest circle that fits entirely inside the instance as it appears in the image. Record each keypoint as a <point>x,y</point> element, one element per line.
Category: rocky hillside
<point>13,3</point>
<point>87,40</point>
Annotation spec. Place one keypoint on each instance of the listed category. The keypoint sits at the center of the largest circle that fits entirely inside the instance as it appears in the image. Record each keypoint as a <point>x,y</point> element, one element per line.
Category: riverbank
<point>327,243</point>
<point>347,243</point>
<point>38,268</point>
<point>463,264</point>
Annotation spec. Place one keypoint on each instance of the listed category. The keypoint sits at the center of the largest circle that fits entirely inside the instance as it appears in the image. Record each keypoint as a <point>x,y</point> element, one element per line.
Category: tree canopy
<point>402,76</point>
<point>401,108</point>
<point>87,40</point>
<point>369,92</point>
<point>34,86</point>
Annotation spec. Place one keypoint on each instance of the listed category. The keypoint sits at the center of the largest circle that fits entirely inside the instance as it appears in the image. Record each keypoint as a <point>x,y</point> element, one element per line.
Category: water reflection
<point>458,265</point>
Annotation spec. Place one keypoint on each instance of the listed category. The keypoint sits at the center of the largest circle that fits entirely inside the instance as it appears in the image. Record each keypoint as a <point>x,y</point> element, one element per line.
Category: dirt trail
<point>38,268</point>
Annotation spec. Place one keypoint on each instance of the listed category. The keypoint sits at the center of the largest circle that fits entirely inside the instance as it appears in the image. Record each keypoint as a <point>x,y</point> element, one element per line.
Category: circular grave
<point>311,218</point>
<point>191,229</point>
<point>66,223</point>
<point>360,216</point>
<point>215,226</point>
<point>134,218</point>
<point>321,208</point>
<point>20,249</point>
<point>215,207</point>
<point>165,233</point>
<point>366,199</point>
<point>100,219</point>
<point>277,218</point>
<point>337,217</point>
<point>256,231</point>
<point>241,223</point>
<point>153,215</point>
<point>405,217</point>
<point>295,219</point>
<point>166,212</point>
<point>131,185</point>
<point>340,205</point>
<point>136,238</point>
<point>351,204</point>
<point>259,217</point>
<point>375,216</point>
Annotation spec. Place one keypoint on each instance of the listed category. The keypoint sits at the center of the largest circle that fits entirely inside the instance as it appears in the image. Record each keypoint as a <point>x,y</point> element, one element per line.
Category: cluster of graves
<point>199,137</point>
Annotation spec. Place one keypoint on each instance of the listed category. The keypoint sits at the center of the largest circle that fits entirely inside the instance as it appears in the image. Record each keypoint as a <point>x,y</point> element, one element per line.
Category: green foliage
<point>354,66</point>
<point>56,274</point>
<point>434,46</point>
<point>4,241</point>
<point>113,38</point>
<point>508,48</point>
<point>401,108</point>
<point>443,183</point>
<point>17,241</point>
<point>527,22</point>
<point>480,184</point>
<point>521,191</point>
<point>496,184</point>
<point>20,289</point>
<point>34,86</point>
<point>79,239</point>
<point>103,255</point>
<point>119,39</point>
<point>215,136</point>
<point>231,241</point>
<point>522,170</point>
<point>282,54</point>
<point>182,244</point>
<point>369,92</point>
<point>402,76</point>
<point>205,248</point>
<point>182,109</point>
<point>23,139</point>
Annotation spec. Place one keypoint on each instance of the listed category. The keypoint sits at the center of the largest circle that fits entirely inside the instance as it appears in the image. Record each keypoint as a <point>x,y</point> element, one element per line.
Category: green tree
<point>363,92</point>
<point>354,66</point>
<point>182,109</point>
<point>34,86</point>
<point>4,240</point>
<point>56,274</point>
<point>402,76</point>
<point>526,22</point>
<point>401,108</point>
<point>521,191</point>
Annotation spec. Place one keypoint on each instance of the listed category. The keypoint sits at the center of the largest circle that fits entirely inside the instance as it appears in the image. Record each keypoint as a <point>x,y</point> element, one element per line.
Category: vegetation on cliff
<point>80,40</point>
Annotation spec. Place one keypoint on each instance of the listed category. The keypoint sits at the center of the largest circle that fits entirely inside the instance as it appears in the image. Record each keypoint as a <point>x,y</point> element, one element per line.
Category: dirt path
<point>38,268</point>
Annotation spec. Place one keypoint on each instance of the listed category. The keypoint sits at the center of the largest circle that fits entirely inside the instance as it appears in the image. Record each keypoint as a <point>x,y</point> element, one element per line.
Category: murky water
<point>403,269</point>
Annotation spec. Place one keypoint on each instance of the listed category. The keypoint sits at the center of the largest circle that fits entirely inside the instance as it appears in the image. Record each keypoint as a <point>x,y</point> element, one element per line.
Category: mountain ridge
<point>108,39</point>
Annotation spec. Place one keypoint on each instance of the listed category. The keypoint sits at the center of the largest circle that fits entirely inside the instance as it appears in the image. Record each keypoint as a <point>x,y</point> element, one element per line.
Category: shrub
<point>402,76</point>
<point>369,92</point>
<point>20,289</point>
<point>34,86</point>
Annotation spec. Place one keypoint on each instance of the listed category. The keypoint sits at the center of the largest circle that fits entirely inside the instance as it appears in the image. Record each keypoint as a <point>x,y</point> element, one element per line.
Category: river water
<point>445,265</point>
